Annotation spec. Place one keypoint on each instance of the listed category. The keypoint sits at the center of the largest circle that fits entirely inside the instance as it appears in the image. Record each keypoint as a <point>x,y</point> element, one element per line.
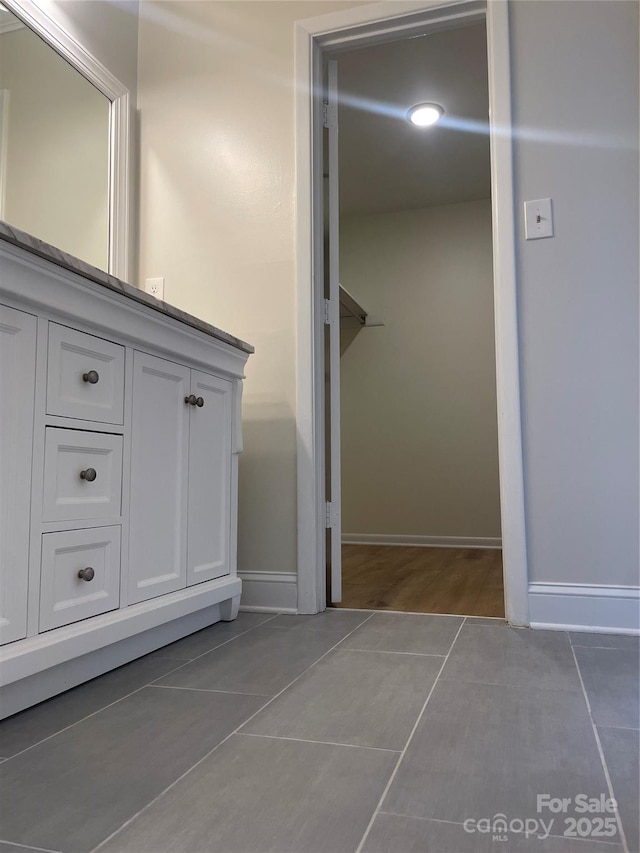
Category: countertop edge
<point>43,250</point>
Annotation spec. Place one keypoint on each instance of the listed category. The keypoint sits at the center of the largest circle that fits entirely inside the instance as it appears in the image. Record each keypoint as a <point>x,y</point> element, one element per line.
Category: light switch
<point>538,219</point>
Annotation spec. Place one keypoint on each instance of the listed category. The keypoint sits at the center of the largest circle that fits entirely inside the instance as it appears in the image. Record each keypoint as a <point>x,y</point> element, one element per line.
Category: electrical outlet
<point>155,287</point>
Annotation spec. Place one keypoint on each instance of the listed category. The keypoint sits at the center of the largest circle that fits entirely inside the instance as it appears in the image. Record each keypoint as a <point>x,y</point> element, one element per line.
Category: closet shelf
<point>351,312</point>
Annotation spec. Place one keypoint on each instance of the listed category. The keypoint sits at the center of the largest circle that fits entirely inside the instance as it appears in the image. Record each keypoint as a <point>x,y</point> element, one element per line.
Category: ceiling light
<point>424,115</point>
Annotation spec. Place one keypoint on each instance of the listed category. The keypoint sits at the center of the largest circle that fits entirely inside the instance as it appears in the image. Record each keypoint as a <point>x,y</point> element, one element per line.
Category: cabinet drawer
<point>85,376</point>
<point>82,475</point>
<point>80,575</point>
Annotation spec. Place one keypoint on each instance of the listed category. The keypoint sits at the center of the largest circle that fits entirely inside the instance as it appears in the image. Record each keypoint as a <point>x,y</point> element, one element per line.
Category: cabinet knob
<point>86,574</point>
<point>200,402</point>
<point>89,474</point>
<point>190,400</point>
<point>91,377</point>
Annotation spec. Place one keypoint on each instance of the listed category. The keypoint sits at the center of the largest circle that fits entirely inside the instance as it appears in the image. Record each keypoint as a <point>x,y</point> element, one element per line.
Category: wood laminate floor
<point>464,581</point>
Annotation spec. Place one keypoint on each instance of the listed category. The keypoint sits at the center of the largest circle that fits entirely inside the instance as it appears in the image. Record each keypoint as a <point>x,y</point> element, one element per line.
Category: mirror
<point>54,147</point>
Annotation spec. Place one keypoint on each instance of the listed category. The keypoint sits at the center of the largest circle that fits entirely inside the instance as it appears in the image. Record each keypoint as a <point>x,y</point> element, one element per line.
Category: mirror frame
<point>36,19</point>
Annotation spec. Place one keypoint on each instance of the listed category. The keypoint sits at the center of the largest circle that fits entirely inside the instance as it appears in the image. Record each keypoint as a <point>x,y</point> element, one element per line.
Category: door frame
<point>345,30</point>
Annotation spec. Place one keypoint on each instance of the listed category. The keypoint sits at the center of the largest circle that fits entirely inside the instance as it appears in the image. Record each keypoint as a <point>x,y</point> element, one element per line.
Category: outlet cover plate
<point>155,287</point>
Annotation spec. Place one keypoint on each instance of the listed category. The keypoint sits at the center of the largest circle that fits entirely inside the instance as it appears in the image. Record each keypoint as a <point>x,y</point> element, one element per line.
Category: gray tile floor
<point>347,731</point>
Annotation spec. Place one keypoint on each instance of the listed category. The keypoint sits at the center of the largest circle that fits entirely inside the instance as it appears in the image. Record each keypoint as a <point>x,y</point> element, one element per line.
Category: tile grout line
<point>322,742</point>
<point>384,652</point>
<point>406,746</point>
<point>623,837</point>
<point>158,656</point>
<point>605,648</point>
<point>212,649</point>
<point>512,686</point>
<point>424,613</point>
<point>225,739</point>
<point>26,847</point>
<point>127,695</point>
<point>622,728</point>
<point>206,690</point>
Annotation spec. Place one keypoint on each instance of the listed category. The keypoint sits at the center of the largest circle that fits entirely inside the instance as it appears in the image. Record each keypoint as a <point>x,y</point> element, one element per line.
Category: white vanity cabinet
<point>80,575</point>
<point>210,489</point>
<point>17,370</point>
<point>85,376</point>
<point>120,429</point>
<point>82,475</point>
<point>159,477</point>
<point>180,509</point>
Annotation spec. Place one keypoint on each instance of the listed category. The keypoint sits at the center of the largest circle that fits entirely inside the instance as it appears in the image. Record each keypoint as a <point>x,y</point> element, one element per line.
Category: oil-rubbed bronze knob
<point>190,400</point>
<point>86,574</point>
<point>200,402</point>
<point>91,377</point>
<point>89,474</point>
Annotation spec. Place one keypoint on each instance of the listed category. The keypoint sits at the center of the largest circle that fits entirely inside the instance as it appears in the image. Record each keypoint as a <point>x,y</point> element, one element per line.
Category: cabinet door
<point>17,384</point>
<point>209,478</point>
<point>159,478</point>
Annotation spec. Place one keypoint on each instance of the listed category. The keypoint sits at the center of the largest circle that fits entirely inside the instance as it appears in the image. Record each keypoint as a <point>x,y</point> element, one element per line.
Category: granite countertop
<point>38,247</point>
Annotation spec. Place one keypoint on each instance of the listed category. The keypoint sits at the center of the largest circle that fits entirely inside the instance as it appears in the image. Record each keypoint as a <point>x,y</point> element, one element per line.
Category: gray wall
<point>419,419</point>
<point>106,29</point>
<point>218,221</point>
<point>575,95</point>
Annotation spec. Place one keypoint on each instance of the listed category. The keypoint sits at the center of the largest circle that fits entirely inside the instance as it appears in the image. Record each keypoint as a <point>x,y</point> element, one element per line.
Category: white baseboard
<point>269,592</point>
<point>421,541</point>
<point>586,607</point>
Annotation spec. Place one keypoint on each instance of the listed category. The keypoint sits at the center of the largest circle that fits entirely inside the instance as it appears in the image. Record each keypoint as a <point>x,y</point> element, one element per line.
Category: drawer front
<point>82,475</point>
<point>85,376</point>
<point>80,575</point>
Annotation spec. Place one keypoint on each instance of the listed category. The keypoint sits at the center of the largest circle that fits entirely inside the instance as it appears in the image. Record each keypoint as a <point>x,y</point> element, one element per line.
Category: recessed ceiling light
<point>423,115</point>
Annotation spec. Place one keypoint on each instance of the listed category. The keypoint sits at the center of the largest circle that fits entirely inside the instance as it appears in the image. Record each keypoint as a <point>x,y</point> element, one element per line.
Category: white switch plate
<point>155,287</point>
<point>538,219</point>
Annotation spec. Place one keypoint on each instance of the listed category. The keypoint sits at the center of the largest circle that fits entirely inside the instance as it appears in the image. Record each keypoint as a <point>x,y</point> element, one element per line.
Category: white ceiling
<point>387,164</point>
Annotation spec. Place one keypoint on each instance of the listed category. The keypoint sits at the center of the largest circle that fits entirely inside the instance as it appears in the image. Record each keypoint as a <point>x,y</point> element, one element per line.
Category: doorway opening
<point>319,42</point>
<point>418,436</point>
